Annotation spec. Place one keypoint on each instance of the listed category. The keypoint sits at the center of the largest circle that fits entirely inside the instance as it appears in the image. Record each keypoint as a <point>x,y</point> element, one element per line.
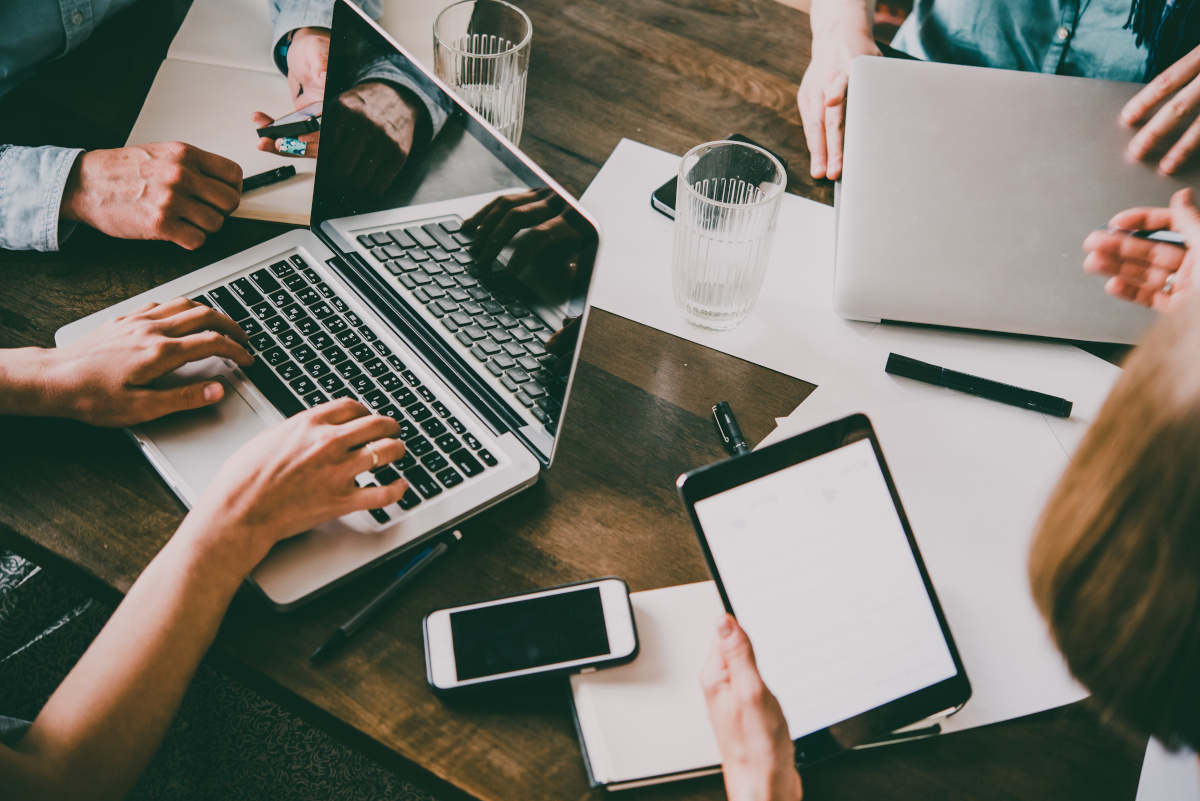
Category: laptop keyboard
<point>488,314</point>
<point>311,347</point>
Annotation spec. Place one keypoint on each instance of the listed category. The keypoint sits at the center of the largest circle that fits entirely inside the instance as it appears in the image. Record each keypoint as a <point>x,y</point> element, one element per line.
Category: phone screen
<point>529,633</point>
<point>304,114</point>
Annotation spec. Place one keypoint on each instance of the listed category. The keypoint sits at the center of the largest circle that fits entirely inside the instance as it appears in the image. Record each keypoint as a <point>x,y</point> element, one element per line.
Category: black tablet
<point>813,554</point>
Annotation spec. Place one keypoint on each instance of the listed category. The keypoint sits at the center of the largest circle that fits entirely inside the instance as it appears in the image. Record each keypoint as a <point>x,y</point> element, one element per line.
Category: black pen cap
<point>912,368</point>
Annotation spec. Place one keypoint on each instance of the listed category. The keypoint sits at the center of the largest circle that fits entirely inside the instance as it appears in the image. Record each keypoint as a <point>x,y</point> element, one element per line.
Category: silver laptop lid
<point>967,194</point>
<point>394,220</point>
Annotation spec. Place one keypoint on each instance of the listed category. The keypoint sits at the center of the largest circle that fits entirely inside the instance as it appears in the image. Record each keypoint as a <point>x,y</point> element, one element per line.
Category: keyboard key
<point>489,347</point>
<point>406,461</point>
<point>304,353</point>
<point>293,312</point>
<point>450,477</point>
<point>533,390</point>
<point>262,341</point>
<point>500,336</point>
<point>467,282</point>
<point>347,370</point>
<point>493,369</point>
<point>504,361</point>
<point>375,367</point>
<point>321,310</point>
<point>362,352</point>
<point>515,350</point>
<point>290,339</point>
<point>486,322</point>
<point>308,296</point>
<point>363,331</point>
<point>317,368</point>
<point>309,272</point>
<point>432,292</point>
<point>408,282</point>
<point>517,310</point>
<point>509,384</point>
<point>202,300</point>
<point>334,355</point>
<point>418,412</point>
<point>331,383</point>
<point>407,432</point>
<point>466,341</point>
<point>410,499</point>
<point>280,297</point>
<point>230,304</point>
<point>456,426</point>
<point>362,384</point>
<point>477,352</point>
<point>524,399</point>
<point>400,266</point>
<point>411,378</point>
<point>540,414</point>
<point>433,427</point>
<point>472,443</point>
<point>440,235</point>
<point>388,252</point>
<point>395,362</point>
<point>307,326</point>
<point>315,399</point>
<point>377,238</point>
<point>445,282</point>
<point>357,322</point>
<point>435,270</point>
<point>416,278</point>
<point>475,332</point>
<point>392,412</point>
<point>382,348</point>
<point>349,338</point>
<point>434,461</point>
<point>366,241</point>
<point>282,268</point>
<point>535,348</point>
<point>335,324</point>
<point>339,304</point>
<point>479,294</point>
<point>386,475</point>
<point>380,516</point>
<point>448,442</point>
<point>324,289</point>
<point>426,394</point>
<point>390,382</point>
<point>457,295</point>
<point>422,482</point>
<point>404,396</point>
<point>375,399</point>
<point>274,356</point>
<point>487,458</point>
<point>521,335</point>
<point>266,282</point>
<point>418,255</point>
<point>295,282</point>
<point>251,326</point>
<point>466,463</point>
<point>437,254</point>
<point>418,446</point>
<point>421,237</point>
<point>343,393</point>
<point>246,291</point>
<point>451,226</point>
<point>288,370</point>
<point>440,408</point>
<point>401,238</point>
<point>303,385</point>
<point>394,267</point>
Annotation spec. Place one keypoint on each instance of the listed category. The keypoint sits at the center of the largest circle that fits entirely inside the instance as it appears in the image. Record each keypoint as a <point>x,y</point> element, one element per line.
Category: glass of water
<point>726,208</point>
<point>481,49</point>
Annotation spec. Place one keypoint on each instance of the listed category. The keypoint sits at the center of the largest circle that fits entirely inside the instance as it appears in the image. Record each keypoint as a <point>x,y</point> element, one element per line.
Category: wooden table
<point>667,73</point>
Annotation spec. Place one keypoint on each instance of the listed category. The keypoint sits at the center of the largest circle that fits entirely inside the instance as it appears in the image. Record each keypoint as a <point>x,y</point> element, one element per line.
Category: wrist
<point>842,19</point>
<point>217,542</point>
<point>29,383</point>
<point>300,34</point>
<point>74,199</point>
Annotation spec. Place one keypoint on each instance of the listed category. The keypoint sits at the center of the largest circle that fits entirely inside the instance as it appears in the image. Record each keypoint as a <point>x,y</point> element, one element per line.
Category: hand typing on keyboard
<point>106,377</point>
<point>297,475</point>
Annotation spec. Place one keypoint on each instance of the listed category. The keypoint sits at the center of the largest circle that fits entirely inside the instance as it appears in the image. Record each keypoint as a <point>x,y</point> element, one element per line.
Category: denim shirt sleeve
<point>32,181</point>
<point>288,15</point>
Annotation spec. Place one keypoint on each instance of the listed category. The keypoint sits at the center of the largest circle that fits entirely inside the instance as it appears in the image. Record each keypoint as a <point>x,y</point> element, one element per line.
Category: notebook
<point>646,722</point>
<point>219,69</point>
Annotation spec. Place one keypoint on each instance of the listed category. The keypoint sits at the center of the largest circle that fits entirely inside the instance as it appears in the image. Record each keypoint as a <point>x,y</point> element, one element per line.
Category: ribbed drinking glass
<point>481,49</point>
<point>726,208</point>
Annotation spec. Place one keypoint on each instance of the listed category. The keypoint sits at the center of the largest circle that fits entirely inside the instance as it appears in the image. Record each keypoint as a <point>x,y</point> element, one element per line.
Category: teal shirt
<point>1072,37</point>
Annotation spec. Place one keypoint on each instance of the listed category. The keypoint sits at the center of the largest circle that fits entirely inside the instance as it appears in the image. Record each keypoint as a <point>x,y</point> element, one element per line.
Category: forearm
<point>25,383</point>
<point>104,723</point>
<point>832,17</point>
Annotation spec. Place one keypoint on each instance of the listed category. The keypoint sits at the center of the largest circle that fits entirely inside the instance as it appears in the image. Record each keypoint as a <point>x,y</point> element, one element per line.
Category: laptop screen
<point>485,259</point>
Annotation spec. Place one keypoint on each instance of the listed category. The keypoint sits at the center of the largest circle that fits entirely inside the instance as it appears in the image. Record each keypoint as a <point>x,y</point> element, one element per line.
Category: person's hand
<point>550,237</point>
<point>1139,267</point>
<point>822,95</point>
<point>308,62</point>
<point>296,475</point>
<point>105,377</point>
<point>166,190</point>
<point>311,140</point>
<point>757,754</point>
<point>1176,126</point>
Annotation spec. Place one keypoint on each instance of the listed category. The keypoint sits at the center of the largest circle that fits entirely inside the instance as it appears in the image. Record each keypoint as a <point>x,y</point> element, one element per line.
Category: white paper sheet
<point>1167,776</point>
<point>973,476</point>
<point>793,328</point>
<point>228,33</point>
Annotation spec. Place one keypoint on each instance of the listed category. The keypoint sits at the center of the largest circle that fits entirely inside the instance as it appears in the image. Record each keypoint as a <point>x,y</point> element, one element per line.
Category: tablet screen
<point>818,570</point>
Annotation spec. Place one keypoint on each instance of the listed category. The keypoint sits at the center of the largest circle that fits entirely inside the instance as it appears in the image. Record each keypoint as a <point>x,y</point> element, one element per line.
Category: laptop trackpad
<point>198,442</point>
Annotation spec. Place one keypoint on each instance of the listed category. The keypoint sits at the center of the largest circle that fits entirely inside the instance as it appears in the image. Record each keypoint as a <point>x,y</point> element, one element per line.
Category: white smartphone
<point>563,629</point>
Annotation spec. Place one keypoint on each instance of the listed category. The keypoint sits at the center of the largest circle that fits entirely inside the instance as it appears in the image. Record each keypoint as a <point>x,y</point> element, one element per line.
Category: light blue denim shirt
<point>1067,37</point>
<point>32,32</point>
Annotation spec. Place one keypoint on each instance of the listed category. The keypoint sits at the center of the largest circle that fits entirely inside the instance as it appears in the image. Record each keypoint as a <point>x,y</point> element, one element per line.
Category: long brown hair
<point>1115,565</point>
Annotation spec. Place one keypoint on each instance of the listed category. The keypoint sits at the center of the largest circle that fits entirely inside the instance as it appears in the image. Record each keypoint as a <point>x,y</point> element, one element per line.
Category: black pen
<point>730,431</point>
<point>973,385</point>
<point>267,178</point>
<point>409,572</point>
<point>1163,235</point>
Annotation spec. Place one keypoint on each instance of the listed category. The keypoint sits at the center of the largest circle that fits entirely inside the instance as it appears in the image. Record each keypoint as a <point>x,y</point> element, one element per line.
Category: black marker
<point>406,575</point>
<point>730,431</point>
<point>267,178</point>
<point>973,385</point>
<point>1163,235</point>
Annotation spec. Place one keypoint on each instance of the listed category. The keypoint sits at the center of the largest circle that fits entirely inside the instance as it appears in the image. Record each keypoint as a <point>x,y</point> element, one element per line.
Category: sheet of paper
<point>1167,776</point>
<point>793,328</point>
<point>819,572</point>
<point>210,107</point>
<point>229,33</point>
<point>648,718</point>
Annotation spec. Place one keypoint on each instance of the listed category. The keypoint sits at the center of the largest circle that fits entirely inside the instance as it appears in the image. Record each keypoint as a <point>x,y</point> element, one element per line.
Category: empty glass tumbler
<point>726,208</point>
<point>481,49</point>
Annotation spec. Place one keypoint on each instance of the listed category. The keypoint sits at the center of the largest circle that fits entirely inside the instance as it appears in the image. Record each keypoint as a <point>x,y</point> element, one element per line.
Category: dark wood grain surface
<point>669,74</point>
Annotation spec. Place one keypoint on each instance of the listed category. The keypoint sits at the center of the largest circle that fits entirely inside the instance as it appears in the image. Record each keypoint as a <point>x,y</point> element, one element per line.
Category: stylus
<point>727,425</point>
<point>1161,235</point>
<point>405,577</point>
<point>973,385</point>
<point>267,178</point>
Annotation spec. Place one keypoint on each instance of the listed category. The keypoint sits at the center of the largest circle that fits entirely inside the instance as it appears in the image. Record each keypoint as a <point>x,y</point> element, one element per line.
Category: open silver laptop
<point>967,194</point>
<point>383,301</point>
